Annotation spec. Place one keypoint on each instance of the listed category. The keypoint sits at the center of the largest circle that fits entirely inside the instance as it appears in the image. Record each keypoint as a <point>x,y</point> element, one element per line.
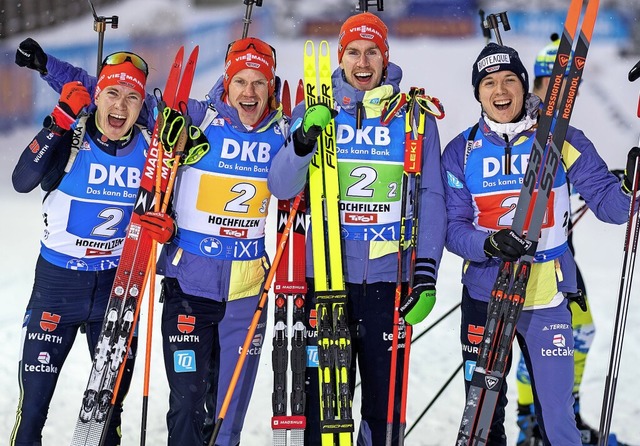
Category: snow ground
<point>606,110</point>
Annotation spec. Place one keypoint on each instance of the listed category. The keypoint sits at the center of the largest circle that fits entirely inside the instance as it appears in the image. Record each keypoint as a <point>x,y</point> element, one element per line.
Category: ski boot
<point>529,430</point>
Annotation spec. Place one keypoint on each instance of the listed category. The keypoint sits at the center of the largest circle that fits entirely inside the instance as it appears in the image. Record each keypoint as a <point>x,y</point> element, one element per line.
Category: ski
<point>289,286</point>
<point>508,295</point>
<point>334,340</point>
<point>131,276</point>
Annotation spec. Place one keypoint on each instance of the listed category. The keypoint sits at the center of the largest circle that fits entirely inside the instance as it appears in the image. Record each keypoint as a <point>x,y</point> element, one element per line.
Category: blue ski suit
<point>369,250</point>
<point>481,199</point>
<point>79,254</point>
<point>216,266</point>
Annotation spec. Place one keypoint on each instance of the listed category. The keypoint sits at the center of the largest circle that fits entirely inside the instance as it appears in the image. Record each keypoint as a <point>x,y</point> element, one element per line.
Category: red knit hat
<point>125,74</point>
<point>364,26</point>
<point>250,53</point>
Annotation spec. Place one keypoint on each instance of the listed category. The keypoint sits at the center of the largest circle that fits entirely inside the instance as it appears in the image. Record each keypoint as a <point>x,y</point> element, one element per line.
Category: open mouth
<point>116,121</point>
<point>249,107</point>
<point>363,78</point>
<point>502,104</point>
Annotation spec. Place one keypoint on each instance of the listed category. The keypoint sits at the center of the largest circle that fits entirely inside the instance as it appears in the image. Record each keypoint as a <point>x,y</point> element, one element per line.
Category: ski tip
<point>324,47</point>
<point>309,48</point>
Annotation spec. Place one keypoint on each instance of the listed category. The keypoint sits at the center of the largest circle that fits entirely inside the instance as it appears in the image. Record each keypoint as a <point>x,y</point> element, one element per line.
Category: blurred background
<point>25,99</point>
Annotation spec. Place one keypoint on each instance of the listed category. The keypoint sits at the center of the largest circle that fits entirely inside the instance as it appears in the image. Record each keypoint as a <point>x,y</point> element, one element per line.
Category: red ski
<point>128,287</point>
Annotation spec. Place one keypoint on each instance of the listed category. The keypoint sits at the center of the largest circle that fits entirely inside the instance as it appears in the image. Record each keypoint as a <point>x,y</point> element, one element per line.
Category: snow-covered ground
<point>606,110</point>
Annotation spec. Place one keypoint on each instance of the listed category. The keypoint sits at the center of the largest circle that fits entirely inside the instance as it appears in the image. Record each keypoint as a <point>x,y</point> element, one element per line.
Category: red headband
<point>124,74</point>
<point>251,53</point>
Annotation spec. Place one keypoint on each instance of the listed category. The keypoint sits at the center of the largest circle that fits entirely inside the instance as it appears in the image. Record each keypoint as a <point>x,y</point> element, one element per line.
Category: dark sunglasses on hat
<point>125,56</point>
<point>242,45</point>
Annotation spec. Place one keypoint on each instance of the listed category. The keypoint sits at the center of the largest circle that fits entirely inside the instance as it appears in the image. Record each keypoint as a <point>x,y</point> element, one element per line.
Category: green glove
<point>417,305</point>
<point>315,119</point>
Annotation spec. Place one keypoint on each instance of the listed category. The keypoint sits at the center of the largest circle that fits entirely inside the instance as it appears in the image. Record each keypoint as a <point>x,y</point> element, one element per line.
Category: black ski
<point>508,295</point>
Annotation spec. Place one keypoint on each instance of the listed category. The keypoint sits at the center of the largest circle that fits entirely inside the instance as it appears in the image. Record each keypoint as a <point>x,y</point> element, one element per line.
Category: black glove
<point>29,54</point>
<point>630,171</point>
<point>506,244</point>
<point>315,119</point>
<point>196,146</point>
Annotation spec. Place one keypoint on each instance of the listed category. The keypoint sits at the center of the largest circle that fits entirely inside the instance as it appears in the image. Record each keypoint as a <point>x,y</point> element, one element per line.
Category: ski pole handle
<point>635,72</point>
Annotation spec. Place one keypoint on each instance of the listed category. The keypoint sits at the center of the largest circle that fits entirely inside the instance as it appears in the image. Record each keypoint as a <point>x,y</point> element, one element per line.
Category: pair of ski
<point>508,294</point>
<point>334,339</point>
<point>290,289</point>
<point>121,315</point>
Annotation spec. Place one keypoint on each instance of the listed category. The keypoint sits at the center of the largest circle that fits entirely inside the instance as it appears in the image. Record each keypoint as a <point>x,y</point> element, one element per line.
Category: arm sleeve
<point>592,179</point>
<point>60,72</point>
<point>288,172</point>
<point>432,212</point>
<point>44,157</point>
<point>463,238</point>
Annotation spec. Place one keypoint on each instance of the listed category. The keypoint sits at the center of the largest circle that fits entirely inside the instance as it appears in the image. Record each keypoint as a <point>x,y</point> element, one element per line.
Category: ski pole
<point>254,322</point>
<point>435,398</point>
<point>577,216</point>
<point>436,322</point>
<point>412,149</point>
<point>152,280</point>
<point>415,164</point>
<point>100,25</point>
<point>628,267</point>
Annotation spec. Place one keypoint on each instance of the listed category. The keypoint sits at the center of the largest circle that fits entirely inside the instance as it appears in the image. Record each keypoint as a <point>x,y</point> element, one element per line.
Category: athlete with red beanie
<point>214,260</point>
<point>370,175</point>
<point>86,206</point>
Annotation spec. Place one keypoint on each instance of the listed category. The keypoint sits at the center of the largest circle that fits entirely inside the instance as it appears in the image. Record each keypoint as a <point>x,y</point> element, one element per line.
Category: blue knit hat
<point>494,58</point>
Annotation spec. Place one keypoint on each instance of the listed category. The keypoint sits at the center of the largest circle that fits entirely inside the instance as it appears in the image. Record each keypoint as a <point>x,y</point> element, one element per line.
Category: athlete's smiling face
<point>118,108</point>
<point>249,94</point>
<point>502,96</point>
<point>363,64</point>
